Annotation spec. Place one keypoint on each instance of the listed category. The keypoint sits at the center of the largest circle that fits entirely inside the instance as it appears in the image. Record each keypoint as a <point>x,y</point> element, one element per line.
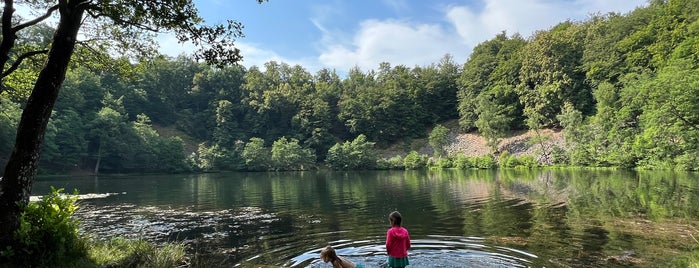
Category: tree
<point>670,118</point>
<point>357,154</point>
<point>289,155</point>
<point>257,157</point>
<point>492,121</point>
<point>127,26</point>
<point>551,74</point>
<point>438,139</point>
<point>492,72</point>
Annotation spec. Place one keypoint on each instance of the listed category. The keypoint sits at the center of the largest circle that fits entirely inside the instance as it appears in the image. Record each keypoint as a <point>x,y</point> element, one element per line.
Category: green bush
<point>445,162</point>
<point>415,161</point>
<point>47,233</point>
<point>688,162</point>
<point>528,161</point>
<point>48,237</point>
<point>396,162</point>
<point>463,162</point>
<point>559,156</point>
<point>503,158</point>
<point>358,154</point>
<point>485,162</point>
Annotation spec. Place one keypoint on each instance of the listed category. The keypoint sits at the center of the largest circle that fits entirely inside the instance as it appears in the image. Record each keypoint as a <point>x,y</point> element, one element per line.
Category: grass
<point>121,252</point>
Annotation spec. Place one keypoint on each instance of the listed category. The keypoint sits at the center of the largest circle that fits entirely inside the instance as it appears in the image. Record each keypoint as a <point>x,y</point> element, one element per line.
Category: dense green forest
<point>623,87</point>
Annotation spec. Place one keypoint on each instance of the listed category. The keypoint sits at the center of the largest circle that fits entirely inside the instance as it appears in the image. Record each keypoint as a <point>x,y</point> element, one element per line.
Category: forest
<point>624,88</point>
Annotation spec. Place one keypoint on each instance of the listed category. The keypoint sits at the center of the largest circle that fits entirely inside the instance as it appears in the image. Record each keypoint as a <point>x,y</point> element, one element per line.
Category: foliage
<point>47,233</point>
<point>215,157</point>
<point>617,84</point>
<point>358,154</point>
<point>9,117</point>
<point>414,160</point>
<point>48,237</point>
<point>396,162</point>
<point>121,252</point>
<point>438,139</point>
<point>289,155</point>
<point>257,157</point>
<point>484,162</point>
<point>489,78</point>
<point>444,162</point>
<point>463,162</point>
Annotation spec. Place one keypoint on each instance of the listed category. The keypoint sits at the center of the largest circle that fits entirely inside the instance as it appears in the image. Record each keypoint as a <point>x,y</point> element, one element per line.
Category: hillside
<point>472,144</point>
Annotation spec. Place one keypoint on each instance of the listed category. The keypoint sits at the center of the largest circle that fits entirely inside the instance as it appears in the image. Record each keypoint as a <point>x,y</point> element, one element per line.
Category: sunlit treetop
<point>121,28</point>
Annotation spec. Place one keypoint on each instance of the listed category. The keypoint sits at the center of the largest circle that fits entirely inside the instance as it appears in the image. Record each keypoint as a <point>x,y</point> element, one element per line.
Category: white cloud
<point>169,45</point>
<point>410,44</point>
<point>527,16</point>
<point>396,42</point>
<point>253,55</point>
<point>397,5</point>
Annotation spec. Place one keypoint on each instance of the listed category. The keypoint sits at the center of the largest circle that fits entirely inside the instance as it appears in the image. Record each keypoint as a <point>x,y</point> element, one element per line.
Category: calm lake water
<point>505,218</point>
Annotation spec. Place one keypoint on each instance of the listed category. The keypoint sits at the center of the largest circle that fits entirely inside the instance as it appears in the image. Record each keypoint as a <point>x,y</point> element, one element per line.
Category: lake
<point>456,218</point>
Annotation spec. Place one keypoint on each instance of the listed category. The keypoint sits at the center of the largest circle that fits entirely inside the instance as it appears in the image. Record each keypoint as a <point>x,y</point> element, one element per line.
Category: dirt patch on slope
<point>472,144</point>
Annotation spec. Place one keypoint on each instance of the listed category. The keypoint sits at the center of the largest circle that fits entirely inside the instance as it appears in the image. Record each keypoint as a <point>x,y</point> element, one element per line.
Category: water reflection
<point>507,218</point>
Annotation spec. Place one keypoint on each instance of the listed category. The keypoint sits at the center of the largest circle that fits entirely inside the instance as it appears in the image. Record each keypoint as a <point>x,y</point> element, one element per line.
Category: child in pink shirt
<point>397,242</point>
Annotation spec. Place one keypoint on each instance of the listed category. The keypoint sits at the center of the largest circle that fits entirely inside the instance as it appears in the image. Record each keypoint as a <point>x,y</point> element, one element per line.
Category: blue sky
<point>340,34</point>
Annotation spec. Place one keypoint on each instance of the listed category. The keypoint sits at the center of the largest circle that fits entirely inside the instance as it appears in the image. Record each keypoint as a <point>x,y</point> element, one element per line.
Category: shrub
<point>290,155</point>
<point>415,161</point>
<point>485,162</point>
<point>503,158</point>
<point>559,156</point>
<point>528,161</point>
<point>358,154</point>
<point>396,162</point>
<point>445,162</point>
<point>47,233</point>
<point>463,162</point>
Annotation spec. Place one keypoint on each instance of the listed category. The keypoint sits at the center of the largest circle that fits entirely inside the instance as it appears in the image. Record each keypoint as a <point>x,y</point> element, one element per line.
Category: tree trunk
<point>99,157</point>
<point>16,184</point>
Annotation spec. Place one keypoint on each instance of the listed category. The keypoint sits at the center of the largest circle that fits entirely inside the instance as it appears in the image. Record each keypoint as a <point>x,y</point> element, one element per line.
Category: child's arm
<point>388,241</point>
<point>407,241</point>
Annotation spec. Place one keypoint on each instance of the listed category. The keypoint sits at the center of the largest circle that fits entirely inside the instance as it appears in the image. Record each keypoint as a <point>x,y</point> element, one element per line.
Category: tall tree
<point>439,137</point>
<point>125,25</point>
<point>551,74</point>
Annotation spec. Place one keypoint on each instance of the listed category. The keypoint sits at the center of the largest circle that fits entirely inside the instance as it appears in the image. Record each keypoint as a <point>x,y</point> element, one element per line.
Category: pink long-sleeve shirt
<point>397,242</point>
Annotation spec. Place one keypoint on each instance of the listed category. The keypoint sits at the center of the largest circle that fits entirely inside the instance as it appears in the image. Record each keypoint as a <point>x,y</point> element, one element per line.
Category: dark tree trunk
<point>16,184</point>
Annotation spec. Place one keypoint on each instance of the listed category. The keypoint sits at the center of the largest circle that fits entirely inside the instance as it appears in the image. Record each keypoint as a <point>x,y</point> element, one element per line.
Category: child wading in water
<point>328,255</point>
<point>397,241</point>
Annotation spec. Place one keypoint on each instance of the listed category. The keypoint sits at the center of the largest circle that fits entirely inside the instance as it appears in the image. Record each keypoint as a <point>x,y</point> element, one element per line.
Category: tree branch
<point>19,60</point>
<point>679,116</point>
<point>8,37</point>
<point>36,20</point>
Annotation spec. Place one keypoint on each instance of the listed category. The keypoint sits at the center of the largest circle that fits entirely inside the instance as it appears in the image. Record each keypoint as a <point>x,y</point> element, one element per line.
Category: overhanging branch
<point>36,20</point>
<point>19,60</point>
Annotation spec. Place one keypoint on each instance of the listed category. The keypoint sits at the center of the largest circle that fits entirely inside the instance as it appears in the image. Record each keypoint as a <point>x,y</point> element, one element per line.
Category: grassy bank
<point>48,237</point>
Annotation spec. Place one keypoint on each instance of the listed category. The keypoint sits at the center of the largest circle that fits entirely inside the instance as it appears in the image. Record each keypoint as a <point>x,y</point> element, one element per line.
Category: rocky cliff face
<point>472,144</point>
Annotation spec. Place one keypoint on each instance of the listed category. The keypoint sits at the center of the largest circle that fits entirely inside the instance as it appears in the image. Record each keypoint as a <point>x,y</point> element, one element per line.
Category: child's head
<point>328,254</point>
<point>395,218</point>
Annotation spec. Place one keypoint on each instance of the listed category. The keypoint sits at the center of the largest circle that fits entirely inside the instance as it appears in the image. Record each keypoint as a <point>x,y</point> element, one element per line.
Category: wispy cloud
<point>397,6</point>
<point>412,42</point>
<point>393,41</point>
<point>415,43</point>
<point>253,54</point>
